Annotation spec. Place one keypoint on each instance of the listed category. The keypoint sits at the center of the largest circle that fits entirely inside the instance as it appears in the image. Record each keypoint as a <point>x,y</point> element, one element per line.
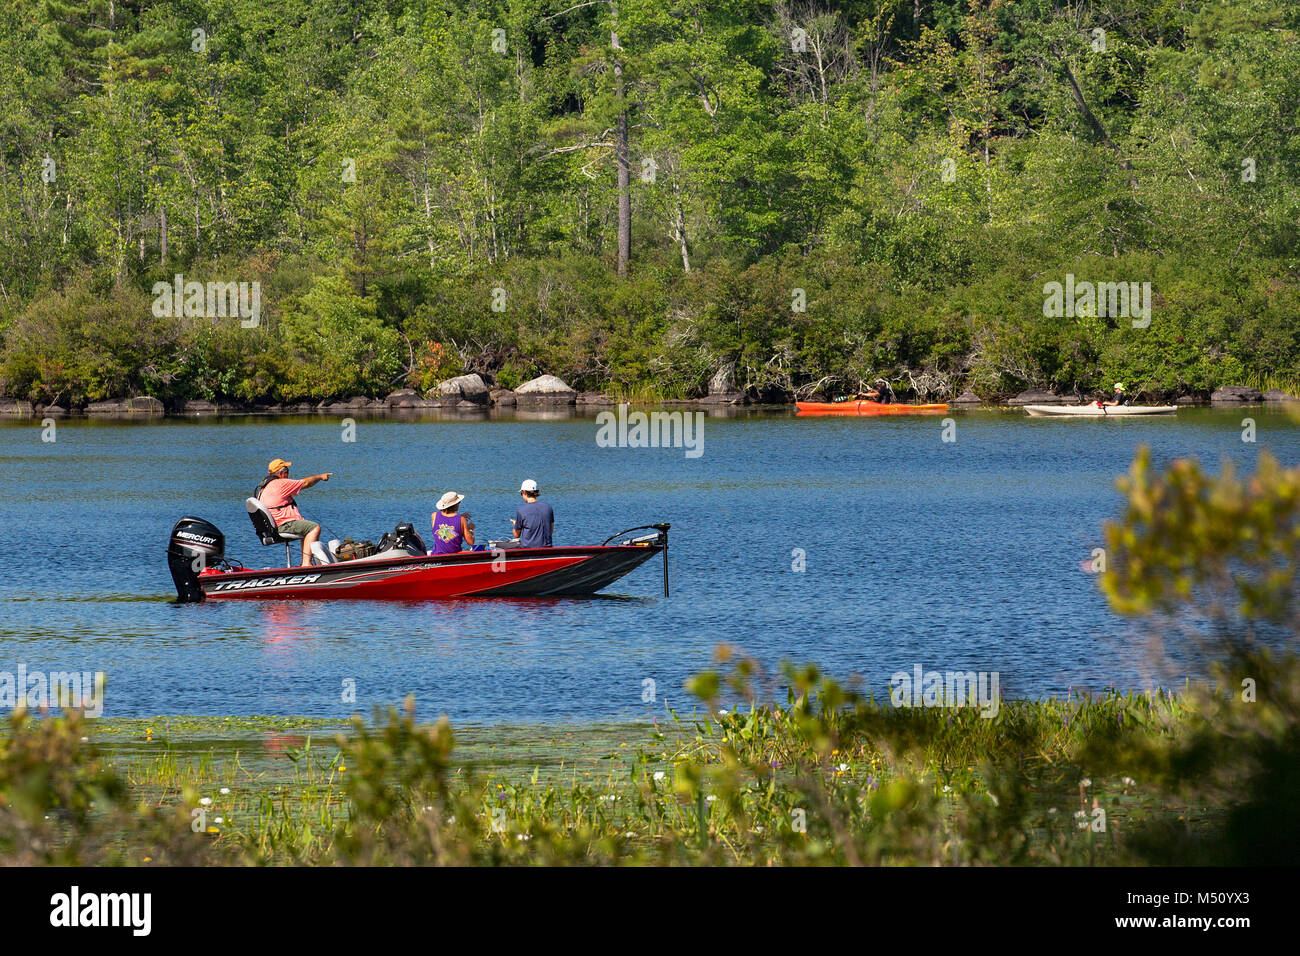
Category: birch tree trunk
<point>624,192</point>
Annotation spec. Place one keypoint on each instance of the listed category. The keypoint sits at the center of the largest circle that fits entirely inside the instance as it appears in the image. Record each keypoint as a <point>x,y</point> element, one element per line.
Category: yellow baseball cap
<point>276,464</point>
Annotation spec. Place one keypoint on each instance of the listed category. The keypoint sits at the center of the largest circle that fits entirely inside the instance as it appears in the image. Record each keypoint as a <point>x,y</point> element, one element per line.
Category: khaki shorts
<point>299,526</point>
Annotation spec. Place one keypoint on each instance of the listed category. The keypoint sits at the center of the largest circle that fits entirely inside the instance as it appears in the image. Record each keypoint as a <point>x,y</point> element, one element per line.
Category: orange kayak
<point>866,408</point>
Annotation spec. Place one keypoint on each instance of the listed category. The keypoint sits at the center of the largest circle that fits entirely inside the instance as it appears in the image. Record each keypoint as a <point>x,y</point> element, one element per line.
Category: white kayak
<point>1097,411</point>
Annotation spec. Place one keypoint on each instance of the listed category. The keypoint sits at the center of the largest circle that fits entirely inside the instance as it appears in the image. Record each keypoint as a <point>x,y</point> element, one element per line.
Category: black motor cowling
<point>404,538</point>
<point>195,544</point>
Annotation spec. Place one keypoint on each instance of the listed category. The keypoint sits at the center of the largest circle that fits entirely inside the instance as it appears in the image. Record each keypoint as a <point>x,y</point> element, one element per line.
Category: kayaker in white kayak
<point>1117,397</point>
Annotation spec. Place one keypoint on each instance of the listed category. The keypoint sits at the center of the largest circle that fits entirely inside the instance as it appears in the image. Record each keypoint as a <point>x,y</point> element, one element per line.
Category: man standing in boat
<point>276,491</point>
<point>534,522</point>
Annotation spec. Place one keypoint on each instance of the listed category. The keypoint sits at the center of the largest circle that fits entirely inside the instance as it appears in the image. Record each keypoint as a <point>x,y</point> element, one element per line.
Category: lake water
<point>958,555</point>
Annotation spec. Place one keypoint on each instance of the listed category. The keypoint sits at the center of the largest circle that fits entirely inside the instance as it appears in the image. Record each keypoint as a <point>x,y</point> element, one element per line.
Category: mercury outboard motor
<point>195,544</point>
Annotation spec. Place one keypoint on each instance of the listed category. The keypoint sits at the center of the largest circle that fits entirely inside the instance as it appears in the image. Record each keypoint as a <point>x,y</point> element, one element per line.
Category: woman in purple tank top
<point>450,527</point>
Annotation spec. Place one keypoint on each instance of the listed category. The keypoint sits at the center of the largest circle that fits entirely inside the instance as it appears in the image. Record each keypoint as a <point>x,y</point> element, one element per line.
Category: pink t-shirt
<point>278,498</point>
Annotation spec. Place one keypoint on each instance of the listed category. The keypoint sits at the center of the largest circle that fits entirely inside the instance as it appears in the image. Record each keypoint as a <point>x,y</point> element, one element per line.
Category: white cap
<point>528,485</point>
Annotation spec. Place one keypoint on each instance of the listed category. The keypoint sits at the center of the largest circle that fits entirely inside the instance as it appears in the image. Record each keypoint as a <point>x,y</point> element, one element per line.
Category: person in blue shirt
<point>534,522</point>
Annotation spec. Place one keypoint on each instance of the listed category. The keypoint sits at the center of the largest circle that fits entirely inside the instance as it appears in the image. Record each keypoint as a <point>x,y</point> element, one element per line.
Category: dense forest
<point>637,195</point>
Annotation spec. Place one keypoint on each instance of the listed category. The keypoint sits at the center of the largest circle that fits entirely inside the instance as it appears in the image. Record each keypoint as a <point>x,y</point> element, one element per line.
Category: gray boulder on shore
<point>461,389</point>
<point>141,405</point>
<point>1234,394</point>
<point>406,398</point>
<point>1038,396</point>
<point>967,397</point>
<point>1277,395</point>
<point>545,390</point>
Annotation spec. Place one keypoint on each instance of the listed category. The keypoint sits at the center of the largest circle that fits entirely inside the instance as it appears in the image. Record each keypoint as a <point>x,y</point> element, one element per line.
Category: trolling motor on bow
<point>195,545</point>
<point>660,539</point>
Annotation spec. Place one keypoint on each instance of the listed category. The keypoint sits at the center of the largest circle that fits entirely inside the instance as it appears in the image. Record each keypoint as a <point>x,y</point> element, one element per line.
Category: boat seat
<point>266,530</point>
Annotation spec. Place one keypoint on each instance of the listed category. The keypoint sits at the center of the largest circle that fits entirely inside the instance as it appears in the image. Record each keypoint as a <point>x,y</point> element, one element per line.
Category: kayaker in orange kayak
<point>880,391</point>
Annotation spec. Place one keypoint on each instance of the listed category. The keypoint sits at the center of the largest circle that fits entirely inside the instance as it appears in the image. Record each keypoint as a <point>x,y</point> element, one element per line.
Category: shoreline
<point>11,411</point>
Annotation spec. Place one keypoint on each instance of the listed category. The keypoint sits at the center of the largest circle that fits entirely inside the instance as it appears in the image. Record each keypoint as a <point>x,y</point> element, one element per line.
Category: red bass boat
<point>401,570</point>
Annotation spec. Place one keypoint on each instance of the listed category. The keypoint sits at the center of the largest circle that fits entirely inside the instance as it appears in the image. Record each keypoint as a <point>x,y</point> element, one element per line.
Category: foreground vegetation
<point>638,196</point>
<point>1106,780</point>
<point>1207,776</point>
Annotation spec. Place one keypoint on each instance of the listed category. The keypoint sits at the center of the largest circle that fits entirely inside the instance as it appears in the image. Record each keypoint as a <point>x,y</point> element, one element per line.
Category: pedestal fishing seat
<point>266,530</point>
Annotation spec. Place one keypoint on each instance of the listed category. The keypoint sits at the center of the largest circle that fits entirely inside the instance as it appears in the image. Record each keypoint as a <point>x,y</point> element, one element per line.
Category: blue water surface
<point>952,555</point>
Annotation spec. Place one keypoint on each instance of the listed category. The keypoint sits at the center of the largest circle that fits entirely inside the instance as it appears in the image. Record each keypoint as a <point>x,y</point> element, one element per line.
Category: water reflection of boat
<point>284,624</point>
<point>200,570</point>
<point>867,408</point>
